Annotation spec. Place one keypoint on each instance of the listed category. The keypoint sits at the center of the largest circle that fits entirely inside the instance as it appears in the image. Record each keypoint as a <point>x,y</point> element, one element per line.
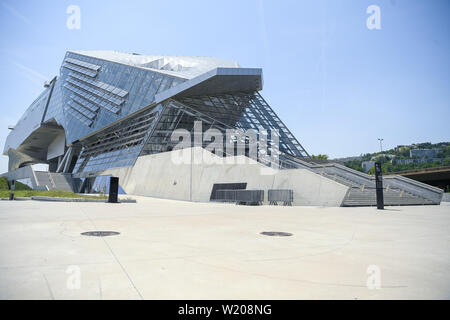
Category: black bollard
<point>113,189</point>
<point>12,188</point>
<point>379,186</point>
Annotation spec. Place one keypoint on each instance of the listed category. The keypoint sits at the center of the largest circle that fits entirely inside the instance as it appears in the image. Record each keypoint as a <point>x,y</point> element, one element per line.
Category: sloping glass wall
<point>97,92</point>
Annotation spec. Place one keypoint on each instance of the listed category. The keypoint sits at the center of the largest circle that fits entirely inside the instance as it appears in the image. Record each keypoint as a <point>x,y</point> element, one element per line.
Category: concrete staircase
<point>393,197</point>
<point>42,180</point>
<point>55,181</point>
<point>397,190</point>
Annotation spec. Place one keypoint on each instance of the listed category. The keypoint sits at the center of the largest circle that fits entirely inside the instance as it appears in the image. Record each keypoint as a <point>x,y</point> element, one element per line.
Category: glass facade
<point>246,111</point>
<point>110,115</point>
<point>55,111</point>
<point>150,132</point>
<point>119,145</point>
<point>108,89</point>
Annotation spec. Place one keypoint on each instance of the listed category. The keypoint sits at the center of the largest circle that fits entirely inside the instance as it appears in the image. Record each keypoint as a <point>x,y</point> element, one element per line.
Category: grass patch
<point>4,184</point>
<point>44,193</point>
<point>20,186</point>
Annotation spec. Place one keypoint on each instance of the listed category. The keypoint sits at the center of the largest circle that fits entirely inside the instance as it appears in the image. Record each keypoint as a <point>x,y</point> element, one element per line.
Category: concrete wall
<point>56,147</point>
<point>165,176</point>
<point>20,174</point>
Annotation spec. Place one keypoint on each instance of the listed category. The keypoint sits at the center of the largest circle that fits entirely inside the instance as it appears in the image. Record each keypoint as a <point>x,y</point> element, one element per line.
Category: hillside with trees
<point>400,159</point>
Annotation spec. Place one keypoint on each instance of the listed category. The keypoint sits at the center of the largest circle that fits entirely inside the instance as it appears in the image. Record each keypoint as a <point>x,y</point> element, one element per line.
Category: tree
<point>354,164</point>
<point>320,157</point>
<point>403,152</point>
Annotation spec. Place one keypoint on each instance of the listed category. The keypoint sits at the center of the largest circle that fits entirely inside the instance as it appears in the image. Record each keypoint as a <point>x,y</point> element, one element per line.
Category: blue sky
<point>336,84</point>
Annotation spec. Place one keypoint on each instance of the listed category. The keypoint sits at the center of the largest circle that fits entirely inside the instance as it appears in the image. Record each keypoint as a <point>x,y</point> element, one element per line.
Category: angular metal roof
<point>180,66</point>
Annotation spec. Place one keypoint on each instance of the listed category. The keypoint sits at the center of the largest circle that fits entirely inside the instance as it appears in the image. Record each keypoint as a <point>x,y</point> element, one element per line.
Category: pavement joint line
<point>173,259</point>
<point>100,287</point>
<point>107,263</point>
<point>296,280</point>
<point>48,286</point>
<point>115,257</point>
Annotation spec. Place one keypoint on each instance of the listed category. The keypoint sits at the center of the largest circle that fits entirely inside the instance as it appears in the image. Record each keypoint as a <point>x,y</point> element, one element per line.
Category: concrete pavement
<point>179,250</point>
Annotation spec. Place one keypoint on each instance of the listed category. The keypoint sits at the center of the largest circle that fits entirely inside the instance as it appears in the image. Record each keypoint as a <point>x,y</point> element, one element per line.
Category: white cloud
<point>31,72</point>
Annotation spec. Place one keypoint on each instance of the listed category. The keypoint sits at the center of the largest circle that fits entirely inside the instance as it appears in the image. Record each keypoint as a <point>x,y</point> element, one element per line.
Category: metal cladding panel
<point>56,148</point>
<point>217,81</point>
<point>29,122</point>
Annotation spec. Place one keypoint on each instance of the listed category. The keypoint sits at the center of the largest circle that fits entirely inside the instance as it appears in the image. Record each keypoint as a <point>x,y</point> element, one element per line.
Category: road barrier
<point>285,195</point>
<point>248,197</point>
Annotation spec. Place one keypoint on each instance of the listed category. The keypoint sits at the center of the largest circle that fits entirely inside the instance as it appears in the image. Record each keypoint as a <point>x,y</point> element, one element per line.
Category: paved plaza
<point>180,250</point>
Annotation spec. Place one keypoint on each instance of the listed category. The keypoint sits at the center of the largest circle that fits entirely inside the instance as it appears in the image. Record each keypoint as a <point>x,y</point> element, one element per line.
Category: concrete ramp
<point>163,175</point>
<point>190,175</point>
<point>325,184</point>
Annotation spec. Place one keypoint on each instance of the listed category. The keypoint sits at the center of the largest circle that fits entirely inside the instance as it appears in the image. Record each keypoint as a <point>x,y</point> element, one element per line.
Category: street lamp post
<point>381,144</point>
